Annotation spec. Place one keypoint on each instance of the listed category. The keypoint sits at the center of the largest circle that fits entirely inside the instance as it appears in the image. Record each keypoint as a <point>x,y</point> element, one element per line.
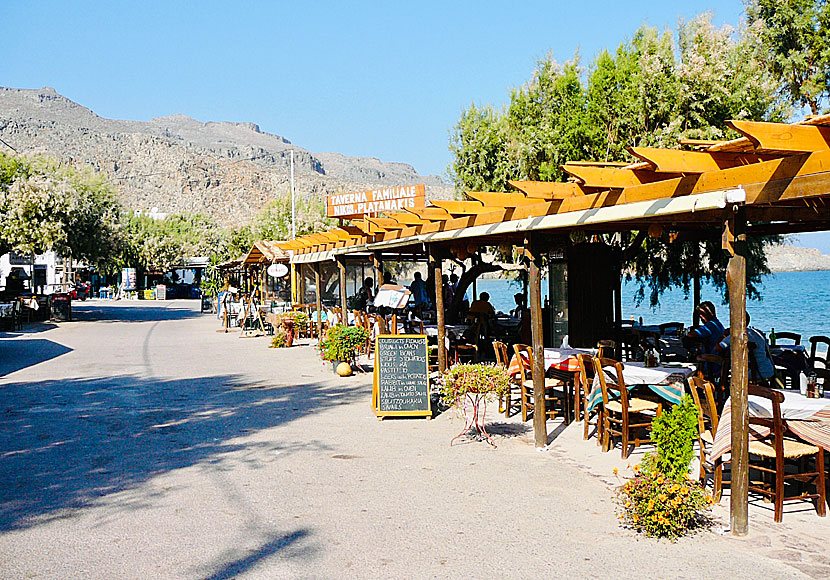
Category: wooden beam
<point>494,199</point>
<point>386,223</point>
<point>783,137</point>
<point>341,267</point>
<point>677,161</point>
<point>407,218</point>
<point>548,190</point>
<point>431,213</point>
<point>612,178</point>
<point>459,208</point>
<point>318,296</point>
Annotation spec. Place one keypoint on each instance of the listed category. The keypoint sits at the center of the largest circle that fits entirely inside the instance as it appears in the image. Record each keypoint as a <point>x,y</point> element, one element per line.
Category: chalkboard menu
<point>401,380</point>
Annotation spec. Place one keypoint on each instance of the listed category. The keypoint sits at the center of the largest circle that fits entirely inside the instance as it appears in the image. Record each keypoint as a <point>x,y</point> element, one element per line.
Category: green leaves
<point>674,433</point>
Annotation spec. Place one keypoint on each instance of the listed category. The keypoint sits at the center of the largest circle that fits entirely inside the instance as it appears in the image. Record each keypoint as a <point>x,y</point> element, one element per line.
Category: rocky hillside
<point>179,164</point>
<point>788,258</point>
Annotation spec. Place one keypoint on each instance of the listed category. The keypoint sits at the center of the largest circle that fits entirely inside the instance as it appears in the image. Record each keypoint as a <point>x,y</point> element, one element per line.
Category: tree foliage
<point>46,206</point>
<point>654,89</point>
<point>793,40</point>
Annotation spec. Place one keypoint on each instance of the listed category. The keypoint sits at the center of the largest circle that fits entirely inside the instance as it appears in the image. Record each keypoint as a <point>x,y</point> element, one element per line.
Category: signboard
<point>401,379</point>
<point>392,296</point>
<point>277,270</point>
<point>373,201</point>
<point>129,278</point>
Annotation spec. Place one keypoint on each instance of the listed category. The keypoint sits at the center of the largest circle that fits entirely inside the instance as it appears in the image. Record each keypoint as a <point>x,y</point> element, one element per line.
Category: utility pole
<point>293,202</point>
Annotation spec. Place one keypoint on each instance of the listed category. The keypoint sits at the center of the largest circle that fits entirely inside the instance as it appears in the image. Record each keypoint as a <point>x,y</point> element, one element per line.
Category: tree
<point>479,143</point>
<point>46,206</point>
<point>274,221</point>
<point>793,39</point>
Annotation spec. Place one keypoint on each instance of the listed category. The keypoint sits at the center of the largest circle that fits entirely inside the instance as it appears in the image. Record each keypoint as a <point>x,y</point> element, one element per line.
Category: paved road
<point>137,442</point>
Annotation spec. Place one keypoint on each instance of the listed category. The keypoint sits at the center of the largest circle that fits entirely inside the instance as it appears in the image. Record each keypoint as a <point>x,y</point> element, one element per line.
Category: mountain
<point>178,164</point>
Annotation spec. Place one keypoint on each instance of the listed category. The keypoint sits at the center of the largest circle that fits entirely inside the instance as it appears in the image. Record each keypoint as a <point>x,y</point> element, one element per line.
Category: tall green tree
<point>794,42</point>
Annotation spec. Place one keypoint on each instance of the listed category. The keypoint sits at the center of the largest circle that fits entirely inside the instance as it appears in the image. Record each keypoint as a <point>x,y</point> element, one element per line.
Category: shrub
<point>280,339</point>
<point>674,434</point>
<point>297,317</point>
<point>661,500</point>
<point>473,379</point>
<point>341,342</point>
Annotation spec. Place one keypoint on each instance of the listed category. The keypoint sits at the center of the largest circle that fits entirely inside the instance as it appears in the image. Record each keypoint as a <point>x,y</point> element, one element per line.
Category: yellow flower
<point>636,518</point>
<point>636,469</point>
<point>684,490</point>
<point>615,471</point>
<point>628,504</point>
<point>663,497</point>
<point>660,480</point>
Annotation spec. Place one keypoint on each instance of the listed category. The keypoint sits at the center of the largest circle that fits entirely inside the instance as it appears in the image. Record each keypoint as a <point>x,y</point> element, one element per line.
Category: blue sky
<point>374,79</point>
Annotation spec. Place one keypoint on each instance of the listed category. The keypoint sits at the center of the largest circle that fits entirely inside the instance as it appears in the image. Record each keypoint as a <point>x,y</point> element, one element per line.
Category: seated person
<point>710,330</point>
<point>419,291</point>
<point>482,306</point>
<point>520,305</point>
<point>762,371</point>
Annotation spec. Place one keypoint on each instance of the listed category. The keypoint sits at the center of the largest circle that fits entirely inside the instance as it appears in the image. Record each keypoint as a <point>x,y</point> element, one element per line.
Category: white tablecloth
<point>795,406</point>
<point>6,309</point>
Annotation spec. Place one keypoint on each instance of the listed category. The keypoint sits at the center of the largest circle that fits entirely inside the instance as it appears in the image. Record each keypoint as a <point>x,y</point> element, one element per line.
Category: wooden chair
<point>796,338</point>
<point>703,393</point>
<point>555,390</point>
<point>469,350</point>
<point>622,415</point>
<point>584,383</point>
<point>775,450</point>
<point>503,361</point>
<point>816,359</point>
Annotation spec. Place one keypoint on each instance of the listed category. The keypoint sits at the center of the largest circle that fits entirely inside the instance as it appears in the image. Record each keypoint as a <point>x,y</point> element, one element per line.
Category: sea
<point>790,301</point>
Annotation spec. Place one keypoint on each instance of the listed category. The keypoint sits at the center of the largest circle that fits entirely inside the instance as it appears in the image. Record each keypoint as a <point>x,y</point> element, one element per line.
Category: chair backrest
<point>600,364</point>
<point>524,354</point>
<point>383,328</point>
<point>606,349</point>
<point>775,423</point>
<point>703,393</point>
<point>585,376</point>
<point>672,328</point>
<point>796,338</point>
<point>816,358</point>
<point>417,326</point>
<point>500,349</point>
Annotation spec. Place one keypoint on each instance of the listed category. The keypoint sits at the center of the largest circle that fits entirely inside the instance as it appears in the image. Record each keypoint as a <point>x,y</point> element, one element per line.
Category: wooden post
<point>377,262</point>
<point>319,300</point>
<point>696,285</point>
<point>341,266</point>
<point>535,286</point>
<point>734,241</point>
<point>439,307</point>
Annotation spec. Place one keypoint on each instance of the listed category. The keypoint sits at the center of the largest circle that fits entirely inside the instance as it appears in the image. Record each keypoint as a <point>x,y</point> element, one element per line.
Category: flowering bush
<point>341,342</point>
<point>661,500</point>
<point>294,317</point>
<point>473,379</point>
<point>661,506</point>
<point>280,339</point>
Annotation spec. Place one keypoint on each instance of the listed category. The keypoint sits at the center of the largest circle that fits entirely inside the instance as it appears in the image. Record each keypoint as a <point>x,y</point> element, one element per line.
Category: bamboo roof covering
<point>266,251</point>
<point>779,172</point>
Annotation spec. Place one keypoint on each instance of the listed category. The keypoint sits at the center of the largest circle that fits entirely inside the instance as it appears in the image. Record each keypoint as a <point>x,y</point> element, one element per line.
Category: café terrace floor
<point>139,442</point>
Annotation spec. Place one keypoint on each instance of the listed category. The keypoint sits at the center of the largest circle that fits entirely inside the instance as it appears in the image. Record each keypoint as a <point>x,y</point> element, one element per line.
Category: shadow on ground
<point>66,444</point>
<point>287,545</point>
<point>26,352</point>
<point>135,311</point>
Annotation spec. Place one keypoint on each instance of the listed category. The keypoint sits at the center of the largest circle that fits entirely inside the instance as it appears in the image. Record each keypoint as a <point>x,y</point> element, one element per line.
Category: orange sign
<point>374,201</point>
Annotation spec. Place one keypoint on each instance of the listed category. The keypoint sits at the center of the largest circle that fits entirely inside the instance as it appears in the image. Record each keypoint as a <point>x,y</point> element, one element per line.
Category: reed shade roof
<point>266,251</point>
<point>780,172</point>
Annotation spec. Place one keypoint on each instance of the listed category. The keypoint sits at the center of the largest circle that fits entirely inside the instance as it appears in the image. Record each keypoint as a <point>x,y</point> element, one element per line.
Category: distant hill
<point>178,164</point>
<point>788,258</point>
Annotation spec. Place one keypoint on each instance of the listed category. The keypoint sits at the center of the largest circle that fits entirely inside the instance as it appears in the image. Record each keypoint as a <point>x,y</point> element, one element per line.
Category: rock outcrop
<point>789,258</point>
<point>178,164</point>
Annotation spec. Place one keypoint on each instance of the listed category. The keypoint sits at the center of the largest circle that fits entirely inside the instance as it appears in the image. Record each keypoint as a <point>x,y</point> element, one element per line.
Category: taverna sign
<point>374,201</point>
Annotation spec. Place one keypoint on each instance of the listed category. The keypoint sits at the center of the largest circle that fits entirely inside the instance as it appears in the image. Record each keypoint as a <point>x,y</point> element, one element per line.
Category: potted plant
<point>467,388</point>
<point>280,339</point>
<point>290,322</point>
<point>341,342</point>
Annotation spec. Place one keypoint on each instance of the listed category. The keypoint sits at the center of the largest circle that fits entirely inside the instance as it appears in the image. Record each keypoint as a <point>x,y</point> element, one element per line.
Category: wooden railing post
<point>734,241</point>
<point>535,287</point>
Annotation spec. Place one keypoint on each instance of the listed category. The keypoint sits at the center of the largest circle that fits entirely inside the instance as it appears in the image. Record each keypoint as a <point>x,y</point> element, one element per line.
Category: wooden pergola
<point>774,179</point>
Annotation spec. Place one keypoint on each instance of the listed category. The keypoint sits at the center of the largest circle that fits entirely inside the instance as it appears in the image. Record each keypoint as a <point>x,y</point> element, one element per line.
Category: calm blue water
<point>792,301</point>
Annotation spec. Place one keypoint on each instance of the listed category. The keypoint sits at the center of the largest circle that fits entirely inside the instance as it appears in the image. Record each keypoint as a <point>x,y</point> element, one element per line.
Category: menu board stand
<point>400,386</point>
